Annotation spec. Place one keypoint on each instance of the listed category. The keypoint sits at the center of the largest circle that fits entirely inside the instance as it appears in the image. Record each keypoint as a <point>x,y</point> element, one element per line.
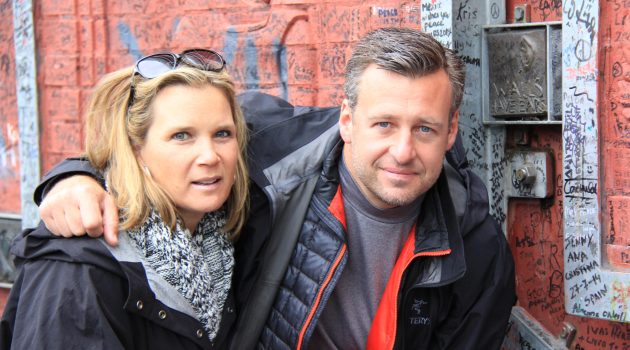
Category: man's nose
<point>403,149</point>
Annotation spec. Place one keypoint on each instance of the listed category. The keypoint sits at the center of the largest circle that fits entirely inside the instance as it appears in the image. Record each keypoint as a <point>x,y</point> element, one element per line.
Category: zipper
<point>309,318</point>
<point>400,333</point>
<point>399,338</point>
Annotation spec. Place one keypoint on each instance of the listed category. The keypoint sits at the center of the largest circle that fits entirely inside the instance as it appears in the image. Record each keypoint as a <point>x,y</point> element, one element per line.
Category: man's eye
<point>383,124</point>
<point>425,129</point>
<point>180,136</point>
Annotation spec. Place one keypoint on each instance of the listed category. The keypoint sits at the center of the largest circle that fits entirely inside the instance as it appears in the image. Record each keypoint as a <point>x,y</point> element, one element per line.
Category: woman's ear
<point>137,151</point>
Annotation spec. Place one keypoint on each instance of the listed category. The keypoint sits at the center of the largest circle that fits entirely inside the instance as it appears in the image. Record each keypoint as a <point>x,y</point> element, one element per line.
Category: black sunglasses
<point>152,66</point>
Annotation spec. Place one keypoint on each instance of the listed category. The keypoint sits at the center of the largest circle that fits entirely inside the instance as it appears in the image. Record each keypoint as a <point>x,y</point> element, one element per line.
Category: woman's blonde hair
<point>113,132</point>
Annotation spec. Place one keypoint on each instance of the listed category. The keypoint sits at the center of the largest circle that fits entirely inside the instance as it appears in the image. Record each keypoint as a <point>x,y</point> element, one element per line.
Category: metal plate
<point>518,73</point>
<point>529,173</point>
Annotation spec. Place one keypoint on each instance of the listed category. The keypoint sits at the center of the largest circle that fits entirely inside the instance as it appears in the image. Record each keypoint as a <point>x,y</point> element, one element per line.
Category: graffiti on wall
<point>465,22</point>
<point>9,152</point>
<point>436,20</point>
<point>466,41</point>
<point>467,19</point>
<point>615,118</point>
<point>24,41</point>
<point>590,290</point>
<point>546,10</point>
<point>9,135</point>
<point>537,244</point>
<point>296,50</point>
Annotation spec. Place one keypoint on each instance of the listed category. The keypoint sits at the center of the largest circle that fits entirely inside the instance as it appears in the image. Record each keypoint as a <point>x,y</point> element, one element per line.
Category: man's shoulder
<point>40,245</point>
<point>263,111</point>
<point>286,143</point>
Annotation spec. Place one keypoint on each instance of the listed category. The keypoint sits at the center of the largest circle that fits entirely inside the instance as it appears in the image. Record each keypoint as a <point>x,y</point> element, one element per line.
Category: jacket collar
<point>438,231</point>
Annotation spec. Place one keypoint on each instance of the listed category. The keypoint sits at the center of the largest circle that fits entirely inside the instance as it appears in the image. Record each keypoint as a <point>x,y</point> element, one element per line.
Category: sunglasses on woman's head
<point>152,66</point>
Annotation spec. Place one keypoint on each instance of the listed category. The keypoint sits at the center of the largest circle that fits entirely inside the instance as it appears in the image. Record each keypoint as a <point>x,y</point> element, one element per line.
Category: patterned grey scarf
<point>199,266</point>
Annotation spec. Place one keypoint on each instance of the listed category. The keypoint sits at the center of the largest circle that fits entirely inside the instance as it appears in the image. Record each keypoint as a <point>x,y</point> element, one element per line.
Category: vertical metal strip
<point>27,103</point>
<point>590,288</point>
<point>484,145</point>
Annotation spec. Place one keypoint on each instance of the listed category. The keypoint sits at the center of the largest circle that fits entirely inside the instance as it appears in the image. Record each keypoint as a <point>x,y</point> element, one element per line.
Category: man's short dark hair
<point>408,52</point>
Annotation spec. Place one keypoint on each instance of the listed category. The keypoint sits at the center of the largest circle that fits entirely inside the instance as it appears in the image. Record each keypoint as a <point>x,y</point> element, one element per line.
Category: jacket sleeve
<point>69,167</point>
<point>483,298</point>
<point>61,305</point>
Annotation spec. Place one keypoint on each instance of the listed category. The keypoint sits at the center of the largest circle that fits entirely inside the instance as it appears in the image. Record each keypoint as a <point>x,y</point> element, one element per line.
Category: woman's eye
<point>224,133</point>
<point>180,136</point>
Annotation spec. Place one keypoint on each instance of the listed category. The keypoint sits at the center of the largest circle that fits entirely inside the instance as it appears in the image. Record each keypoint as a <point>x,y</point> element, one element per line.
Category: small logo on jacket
<point>420,316</point>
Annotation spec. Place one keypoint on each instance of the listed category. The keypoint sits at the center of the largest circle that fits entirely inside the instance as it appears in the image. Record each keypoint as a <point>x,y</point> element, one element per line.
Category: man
<point>360,234</point>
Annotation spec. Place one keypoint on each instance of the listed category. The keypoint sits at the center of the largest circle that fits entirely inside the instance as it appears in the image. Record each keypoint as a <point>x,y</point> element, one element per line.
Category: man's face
<point>396,138</point>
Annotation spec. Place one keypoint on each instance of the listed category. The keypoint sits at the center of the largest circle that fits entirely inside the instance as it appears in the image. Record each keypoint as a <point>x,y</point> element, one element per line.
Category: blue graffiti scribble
<point>252,81</point>
<point>280,52</point>
<point>230,45</point>
<point>5,161</point>
<point>176,21</point>
<point>129,40</point>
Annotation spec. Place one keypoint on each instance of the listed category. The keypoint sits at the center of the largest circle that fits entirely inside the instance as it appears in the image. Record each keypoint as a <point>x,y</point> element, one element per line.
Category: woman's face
<point>191,150</point>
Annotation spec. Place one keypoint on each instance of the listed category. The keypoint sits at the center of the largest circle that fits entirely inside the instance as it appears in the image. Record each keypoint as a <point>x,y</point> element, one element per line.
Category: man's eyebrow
<point>419,119</point>
<point>381,117</point>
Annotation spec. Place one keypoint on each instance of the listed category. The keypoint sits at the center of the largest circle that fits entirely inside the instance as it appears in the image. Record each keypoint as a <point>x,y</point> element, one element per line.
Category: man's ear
<point>452,130</point>
<point>345,122</point>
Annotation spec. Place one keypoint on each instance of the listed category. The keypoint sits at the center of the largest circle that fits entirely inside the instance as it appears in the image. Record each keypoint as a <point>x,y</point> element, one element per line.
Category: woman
<point>170,139</point>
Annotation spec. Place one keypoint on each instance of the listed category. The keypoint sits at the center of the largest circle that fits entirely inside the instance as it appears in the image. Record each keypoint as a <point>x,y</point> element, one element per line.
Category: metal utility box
<point>522,73</point>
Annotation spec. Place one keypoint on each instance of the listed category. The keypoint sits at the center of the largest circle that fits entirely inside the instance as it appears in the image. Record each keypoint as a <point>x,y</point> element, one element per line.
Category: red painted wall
<point>295,49</point>
<point>535,233</point>
<point>535,228</point>
<point>614,109</point>
<point>9,135</point>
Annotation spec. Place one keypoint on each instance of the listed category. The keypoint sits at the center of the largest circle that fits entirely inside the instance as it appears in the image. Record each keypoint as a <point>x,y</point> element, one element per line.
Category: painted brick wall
<point>9,139</point>
<point>9,136</point>
<point>615,119</point>
<point>295,49</point>
<point>535,230</point>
